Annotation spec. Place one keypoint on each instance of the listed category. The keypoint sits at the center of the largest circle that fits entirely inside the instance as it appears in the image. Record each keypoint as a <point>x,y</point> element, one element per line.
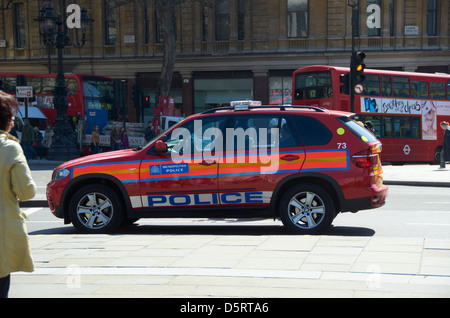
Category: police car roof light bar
<point>246,107</point>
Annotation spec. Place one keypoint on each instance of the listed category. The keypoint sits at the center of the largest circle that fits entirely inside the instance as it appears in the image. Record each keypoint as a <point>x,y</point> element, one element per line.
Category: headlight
<point>59,174</point>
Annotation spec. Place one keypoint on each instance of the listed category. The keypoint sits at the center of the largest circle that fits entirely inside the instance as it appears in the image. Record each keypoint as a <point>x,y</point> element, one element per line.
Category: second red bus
<point>404,107</point>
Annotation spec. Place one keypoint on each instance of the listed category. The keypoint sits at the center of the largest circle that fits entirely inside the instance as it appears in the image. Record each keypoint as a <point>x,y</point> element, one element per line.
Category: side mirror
<point>160,147</point>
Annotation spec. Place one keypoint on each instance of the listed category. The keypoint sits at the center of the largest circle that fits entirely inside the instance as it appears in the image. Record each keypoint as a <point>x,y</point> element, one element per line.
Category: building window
<point>223,21</point>
<point>392,17</point>
<point>110,22</point>
<point>280,90</point>
<point>373,31</point>
<point>146,24</point>
<point>205,24</point>
<point>297,18</point>
<point>215,89</point>
<point>19,25</point>
<point>241,19</point>
<point>158,35</point>
<point>431,17</point>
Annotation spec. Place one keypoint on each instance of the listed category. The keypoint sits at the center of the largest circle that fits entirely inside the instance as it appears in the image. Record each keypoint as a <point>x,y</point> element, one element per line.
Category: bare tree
<point>167,16</point>
<point>166,12</point>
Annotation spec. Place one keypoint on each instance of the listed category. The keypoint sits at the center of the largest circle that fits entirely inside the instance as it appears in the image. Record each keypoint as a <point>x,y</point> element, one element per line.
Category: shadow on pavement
<point>250,230</point>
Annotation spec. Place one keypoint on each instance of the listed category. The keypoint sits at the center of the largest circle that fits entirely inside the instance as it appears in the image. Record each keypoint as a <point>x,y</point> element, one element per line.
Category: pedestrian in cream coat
<point>16,184</point>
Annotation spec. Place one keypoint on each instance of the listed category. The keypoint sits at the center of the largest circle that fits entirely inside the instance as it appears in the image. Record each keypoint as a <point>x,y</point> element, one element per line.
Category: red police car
<point>301,164</point>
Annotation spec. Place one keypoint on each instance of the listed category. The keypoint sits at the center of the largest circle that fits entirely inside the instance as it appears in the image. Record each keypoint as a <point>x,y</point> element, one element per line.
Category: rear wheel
<point>96,209</point>
<point>307,209</point>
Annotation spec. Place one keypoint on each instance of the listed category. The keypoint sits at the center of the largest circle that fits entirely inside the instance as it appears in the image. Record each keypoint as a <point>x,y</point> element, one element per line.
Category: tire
<point>96,209</point>
<point>307,209</point>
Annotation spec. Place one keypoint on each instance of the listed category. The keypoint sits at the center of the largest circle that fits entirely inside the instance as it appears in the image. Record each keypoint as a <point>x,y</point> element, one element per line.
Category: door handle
<point>206,163</point>
<point>290,157</point>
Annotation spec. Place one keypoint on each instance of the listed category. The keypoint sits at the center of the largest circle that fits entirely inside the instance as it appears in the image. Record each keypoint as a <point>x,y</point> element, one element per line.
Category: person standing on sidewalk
<point>149,133</point>
<point>445,152</point>
<point>16,184</point>
<point>95,139</point>
<point>115,138</point>
<point>27,139</point>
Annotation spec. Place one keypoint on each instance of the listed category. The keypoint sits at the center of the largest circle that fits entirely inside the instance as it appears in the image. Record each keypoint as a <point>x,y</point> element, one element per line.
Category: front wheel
<point>96,209</point>
<point>307,209</point>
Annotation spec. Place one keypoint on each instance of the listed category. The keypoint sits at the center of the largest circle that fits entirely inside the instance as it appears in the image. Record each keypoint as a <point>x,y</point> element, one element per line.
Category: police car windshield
<point>173,123</point>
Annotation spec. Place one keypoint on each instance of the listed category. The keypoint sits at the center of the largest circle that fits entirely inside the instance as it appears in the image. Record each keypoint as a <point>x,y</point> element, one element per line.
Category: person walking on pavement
<point>27,139</point>
<point>95,139</point>
<point>37,143</point>
<point>445,152</point>
<point>149,133</point>
<point>124,143</point>
<point>115,138</point>
<point>48,138</point>
<point>16,184</point>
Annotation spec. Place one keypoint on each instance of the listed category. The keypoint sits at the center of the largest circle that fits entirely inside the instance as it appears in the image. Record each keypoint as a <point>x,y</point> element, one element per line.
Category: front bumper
<point>54,193</point>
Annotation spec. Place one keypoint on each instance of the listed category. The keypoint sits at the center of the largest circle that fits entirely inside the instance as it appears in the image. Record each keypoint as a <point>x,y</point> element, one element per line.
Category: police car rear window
<point>312,131</point>
<point>356,128</point>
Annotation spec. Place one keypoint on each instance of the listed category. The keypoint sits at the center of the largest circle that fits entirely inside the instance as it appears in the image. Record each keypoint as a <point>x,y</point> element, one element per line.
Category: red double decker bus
<point>84,92</point>
<point>405,108</point>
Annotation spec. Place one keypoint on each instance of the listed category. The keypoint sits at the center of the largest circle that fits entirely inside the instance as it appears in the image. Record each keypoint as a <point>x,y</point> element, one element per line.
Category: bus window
<point>72,85</point>
<point>387,130</point>
<point>9,84</point>
<point>419,89</point>
<point>401,86</point>
<point>377,123</point>
<point>415,127</point>
<point>448,89</point>
<point>372,85</point>
<point>386,86</point>
<point>406,127</point>
<point>48,84</point>
<point>99,94</point>
<point>437,90</point>
<point>313,85</point>
<point>35,82</point>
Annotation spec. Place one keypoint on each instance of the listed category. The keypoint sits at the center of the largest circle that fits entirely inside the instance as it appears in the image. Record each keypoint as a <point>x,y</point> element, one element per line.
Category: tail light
<point>367,158</point>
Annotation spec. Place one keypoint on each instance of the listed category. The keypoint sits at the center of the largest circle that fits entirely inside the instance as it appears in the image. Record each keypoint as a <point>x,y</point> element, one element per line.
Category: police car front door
<point>185,176</point>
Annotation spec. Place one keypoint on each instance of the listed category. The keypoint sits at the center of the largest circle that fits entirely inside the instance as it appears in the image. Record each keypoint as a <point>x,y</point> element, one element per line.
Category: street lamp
<point>64,145</point>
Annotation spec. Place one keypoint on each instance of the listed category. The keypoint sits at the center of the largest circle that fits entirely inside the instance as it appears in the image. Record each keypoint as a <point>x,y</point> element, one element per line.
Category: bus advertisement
<point>404,107</point>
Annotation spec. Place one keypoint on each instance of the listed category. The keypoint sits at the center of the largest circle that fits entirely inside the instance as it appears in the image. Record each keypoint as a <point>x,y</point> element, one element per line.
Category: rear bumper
<point>375,200</point>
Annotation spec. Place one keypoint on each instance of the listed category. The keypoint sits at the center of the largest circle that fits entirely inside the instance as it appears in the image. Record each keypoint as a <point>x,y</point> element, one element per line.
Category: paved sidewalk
<point>417,175</point>
<point>249,266</point>
<point>234,266</point>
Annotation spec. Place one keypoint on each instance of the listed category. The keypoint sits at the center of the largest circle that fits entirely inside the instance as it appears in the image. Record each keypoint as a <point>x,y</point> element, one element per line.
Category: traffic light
<point>357,67</point>
<point>345,81</point>
<point>135,95</point>
<point>146,101</point>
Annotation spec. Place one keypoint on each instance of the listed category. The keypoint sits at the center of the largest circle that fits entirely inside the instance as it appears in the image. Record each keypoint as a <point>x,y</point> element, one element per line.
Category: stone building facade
<point>235,49</point>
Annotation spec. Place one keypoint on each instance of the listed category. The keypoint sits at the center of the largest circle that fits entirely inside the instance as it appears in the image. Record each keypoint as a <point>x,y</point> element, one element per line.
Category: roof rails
<point>248,104</point>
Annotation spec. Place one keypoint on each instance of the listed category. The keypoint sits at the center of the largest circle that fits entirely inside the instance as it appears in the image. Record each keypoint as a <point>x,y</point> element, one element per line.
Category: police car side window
<point>312,131</point>
<point>255,131</point>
